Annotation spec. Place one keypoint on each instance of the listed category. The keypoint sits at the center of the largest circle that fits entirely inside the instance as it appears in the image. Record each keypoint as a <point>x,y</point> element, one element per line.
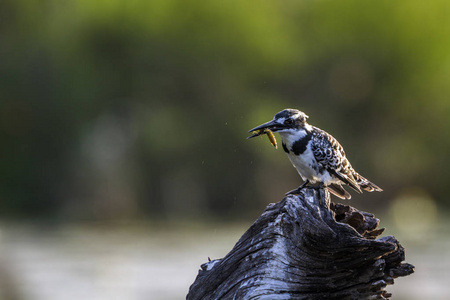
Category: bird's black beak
<point>267,125</point>
<point>271,125</point>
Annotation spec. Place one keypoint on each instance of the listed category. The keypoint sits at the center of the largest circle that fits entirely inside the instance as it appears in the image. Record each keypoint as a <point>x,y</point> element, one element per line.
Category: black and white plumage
<point>317,156</point>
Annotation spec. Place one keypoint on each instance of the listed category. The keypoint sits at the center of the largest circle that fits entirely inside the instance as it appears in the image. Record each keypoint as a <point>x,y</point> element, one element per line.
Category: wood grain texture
<point>303,247</point>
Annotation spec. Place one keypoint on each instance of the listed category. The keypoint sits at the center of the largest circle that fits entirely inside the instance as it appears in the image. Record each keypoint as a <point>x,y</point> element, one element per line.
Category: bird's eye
<point>289,122</point>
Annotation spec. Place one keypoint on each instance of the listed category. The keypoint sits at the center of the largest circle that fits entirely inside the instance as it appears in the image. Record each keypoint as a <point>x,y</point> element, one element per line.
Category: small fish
<point>269,133</point>
<point>271,137</point>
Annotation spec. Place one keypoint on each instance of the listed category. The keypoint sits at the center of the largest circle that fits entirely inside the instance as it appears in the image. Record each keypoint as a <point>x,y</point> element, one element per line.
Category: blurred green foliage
<point>116,109</point>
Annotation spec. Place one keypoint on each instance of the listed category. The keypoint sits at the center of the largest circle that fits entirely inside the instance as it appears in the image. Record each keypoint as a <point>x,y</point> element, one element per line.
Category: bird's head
<point>287,120</point>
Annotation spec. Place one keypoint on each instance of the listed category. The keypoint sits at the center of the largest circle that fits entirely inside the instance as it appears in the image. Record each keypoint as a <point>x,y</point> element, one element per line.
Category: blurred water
<point>108,263</point>
<point>157,262</point>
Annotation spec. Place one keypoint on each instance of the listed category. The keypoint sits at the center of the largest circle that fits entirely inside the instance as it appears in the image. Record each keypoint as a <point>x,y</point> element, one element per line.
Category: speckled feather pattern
<point>331,156</point>
<point>329,153</point>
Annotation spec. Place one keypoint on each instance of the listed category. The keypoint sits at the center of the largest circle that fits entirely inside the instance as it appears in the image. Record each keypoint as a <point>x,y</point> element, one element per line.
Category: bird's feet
<point>297,190</point>
<point>318,187</point>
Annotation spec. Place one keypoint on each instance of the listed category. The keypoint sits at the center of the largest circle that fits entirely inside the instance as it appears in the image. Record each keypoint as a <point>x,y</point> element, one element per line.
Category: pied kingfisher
<point>317,156</point>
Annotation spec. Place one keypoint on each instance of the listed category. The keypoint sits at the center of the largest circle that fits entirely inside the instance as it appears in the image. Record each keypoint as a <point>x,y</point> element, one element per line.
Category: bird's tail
<point>365,184</point>
<point>339,191</point>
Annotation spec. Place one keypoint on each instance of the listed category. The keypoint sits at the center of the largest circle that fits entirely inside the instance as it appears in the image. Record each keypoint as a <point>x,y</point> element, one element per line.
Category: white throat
<point>291,136</point>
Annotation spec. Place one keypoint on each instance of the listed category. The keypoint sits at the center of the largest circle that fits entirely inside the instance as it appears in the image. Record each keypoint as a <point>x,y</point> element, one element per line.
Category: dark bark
<point>303,247</point>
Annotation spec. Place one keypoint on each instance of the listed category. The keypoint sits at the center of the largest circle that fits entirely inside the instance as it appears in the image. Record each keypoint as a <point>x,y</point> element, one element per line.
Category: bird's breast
<point>297,145</point>
<point>307,166</point>
<point>305,163</point>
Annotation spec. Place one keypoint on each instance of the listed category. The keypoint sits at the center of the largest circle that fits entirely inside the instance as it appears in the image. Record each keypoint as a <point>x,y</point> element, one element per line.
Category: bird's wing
<point>331,156</point>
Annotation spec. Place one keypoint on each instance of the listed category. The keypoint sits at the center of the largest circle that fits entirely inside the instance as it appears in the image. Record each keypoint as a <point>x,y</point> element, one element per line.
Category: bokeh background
<point>124,162</point>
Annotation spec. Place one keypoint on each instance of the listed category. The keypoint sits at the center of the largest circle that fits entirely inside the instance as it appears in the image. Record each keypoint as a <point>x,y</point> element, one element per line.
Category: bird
<point>317,156</point>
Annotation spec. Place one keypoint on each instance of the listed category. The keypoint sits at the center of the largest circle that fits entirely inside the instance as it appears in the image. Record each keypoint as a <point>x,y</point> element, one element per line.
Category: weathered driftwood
<point>303,247</point>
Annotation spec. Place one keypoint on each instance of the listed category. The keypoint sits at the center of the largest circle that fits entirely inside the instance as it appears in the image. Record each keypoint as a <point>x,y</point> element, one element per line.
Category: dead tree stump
<point>303,247</point>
